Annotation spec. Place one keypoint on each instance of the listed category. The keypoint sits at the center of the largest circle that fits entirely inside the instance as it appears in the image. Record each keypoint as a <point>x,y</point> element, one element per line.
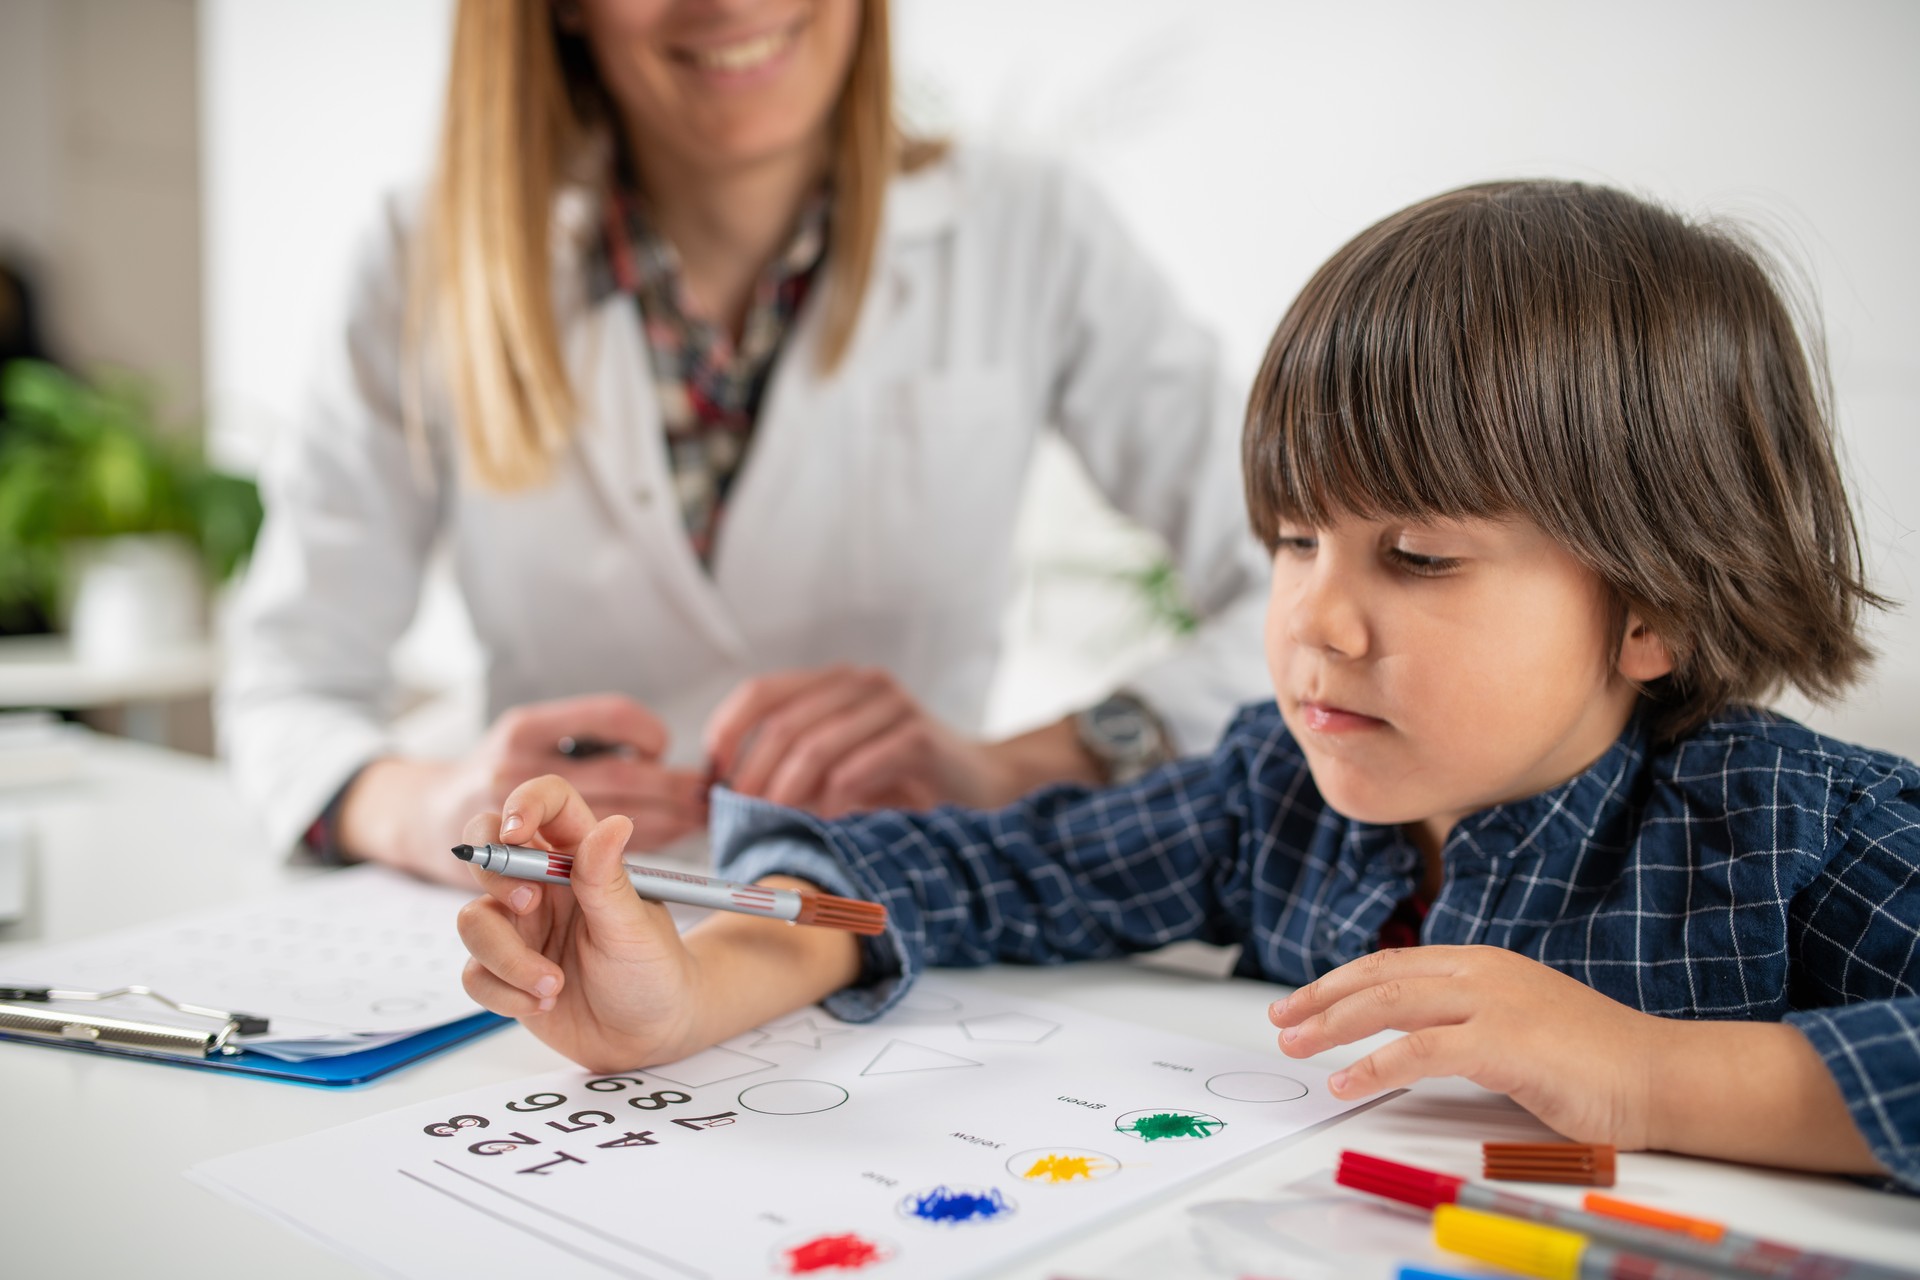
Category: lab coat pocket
<point>946,465</point>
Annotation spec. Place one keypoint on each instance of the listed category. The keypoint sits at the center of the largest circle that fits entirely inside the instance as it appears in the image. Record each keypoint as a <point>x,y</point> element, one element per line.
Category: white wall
<point>1244,140</point>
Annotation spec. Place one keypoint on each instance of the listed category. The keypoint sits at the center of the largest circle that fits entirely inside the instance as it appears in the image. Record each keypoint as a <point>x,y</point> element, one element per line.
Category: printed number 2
<point>500,1146</point>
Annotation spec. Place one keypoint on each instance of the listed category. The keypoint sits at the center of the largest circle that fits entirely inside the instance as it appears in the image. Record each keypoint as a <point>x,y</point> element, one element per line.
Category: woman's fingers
<point>783,729</point>
<point>1396,1004</point>
<point>799,778</point>
<point>750,703</point>
<point>535,728</point>
<point>892,765</point>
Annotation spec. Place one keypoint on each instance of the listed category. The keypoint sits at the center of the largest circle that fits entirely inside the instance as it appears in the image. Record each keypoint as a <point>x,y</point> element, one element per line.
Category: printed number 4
<point>644,1138</point>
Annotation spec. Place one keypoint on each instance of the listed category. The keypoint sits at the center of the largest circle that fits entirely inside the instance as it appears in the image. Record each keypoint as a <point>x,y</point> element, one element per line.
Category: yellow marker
<point>1525,1247</point>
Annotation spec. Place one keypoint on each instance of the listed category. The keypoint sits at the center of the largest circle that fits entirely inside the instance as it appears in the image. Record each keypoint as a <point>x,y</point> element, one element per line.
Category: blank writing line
<point>555,1241</point>
<point>619,1242</point>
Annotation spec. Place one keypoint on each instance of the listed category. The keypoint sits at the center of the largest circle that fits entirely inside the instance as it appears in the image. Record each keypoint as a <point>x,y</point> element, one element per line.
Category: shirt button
<point>1403,860</point>
<point>1329,934</point>
<point>642,495</point>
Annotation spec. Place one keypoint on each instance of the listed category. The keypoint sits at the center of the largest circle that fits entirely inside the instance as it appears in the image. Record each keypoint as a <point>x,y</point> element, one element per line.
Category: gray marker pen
<point>661,885</point>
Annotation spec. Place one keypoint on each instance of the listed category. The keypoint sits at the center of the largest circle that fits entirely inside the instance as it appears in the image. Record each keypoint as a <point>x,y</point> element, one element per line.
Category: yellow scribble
<point>1063,1168</point>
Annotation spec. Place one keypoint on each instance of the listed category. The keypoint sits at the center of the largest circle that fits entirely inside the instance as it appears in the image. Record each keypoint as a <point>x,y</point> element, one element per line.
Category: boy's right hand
<point>593,969</point>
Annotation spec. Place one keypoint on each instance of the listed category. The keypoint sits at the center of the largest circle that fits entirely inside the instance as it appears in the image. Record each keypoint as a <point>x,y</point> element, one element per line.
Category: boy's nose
<point>1327,616</point>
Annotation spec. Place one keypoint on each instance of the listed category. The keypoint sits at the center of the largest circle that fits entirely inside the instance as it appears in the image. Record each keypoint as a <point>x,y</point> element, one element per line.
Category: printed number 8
<point>655,1101</point>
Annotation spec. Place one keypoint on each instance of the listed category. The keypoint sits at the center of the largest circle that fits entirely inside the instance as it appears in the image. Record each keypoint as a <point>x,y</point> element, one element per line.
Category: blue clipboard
<point>340,1071</point>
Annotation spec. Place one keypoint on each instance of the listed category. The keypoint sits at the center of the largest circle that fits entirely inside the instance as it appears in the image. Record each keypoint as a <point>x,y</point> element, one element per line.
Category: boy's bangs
<point>1373,401</point>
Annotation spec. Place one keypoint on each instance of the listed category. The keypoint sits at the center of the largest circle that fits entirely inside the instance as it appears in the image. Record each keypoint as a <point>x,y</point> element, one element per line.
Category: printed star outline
<point>805,1032</point>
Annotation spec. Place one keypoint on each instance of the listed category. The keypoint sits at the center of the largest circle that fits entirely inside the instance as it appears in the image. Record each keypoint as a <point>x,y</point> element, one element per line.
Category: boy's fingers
<point>600,885</point>
<point>495,996</point>
<point>1395,1004</point>
<point>547,807</point>
<point>1421,1055</point>
<point>493,939</point>
<point>1357,975</point>
<point>521,896</point>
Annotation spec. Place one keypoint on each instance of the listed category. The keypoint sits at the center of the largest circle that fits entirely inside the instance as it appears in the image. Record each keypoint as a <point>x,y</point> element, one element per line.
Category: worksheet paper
<point>338,963</point>
<point>959,1131</point>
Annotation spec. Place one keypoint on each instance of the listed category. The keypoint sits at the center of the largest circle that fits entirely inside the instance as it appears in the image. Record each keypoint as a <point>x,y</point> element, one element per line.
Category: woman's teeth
<point>744,56</point>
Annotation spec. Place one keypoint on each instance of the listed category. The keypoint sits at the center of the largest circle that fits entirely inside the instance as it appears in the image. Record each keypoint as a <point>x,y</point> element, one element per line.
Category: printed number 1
<point>541,1169</point>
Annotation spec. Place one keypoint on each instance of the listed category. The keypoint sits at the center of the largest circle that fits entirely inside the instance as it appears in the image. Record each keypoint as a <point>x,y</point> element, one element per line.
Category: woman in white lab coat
<point>719,395</point>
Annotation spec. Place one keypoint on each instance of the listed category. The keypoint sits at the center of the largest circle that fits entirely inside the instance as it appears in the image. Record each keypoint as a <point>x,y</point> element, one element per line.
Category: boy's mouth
<point>1325,717</point>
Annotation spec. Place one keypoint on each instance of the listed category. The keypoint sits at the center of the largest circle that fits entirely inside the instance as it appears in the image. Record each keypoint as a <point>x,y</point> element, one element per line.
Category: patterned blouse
<point>709,387</point>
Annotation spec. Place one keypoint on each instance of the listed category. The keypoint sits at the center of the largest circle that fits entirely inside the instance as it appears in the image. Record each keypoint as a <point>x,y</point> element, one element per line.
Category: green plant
<point>84,460</point>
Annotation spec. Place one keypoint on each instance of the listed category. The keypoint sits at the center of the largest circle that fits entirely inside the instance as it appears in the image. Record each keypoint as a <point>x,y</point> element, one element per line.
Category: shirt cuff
<point>752,838</point>
<point>1873,1051</point>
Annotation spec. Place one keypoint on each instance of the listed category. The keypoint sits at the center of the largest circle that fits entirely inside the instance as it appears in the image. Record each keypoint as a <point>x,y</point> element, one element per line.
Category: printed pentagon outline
<point>1008,1028</point>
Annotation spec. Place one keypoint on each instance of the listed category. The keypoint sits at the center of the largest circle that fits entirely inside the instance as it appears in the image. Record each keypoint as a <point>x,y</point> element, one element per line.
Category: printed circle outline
<point>1250,1085</point>
<point>814,1105</point>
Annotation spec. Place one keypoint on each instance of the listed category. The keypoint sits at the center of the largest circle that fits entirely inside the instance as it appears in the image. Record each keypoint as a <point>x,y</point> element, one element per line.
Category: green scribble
<point>1173,1124</point>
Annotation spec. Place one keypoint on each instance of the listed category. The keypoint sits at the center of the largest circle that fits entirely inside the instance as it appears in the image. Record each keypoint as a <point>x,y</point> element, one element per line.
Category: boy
<point>1551,497</point>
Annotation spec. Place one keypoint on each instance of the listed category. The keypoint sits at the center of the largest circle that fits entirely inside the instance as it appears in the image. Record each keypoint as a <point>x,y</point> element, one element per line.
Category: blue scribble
<point>944,1205</point>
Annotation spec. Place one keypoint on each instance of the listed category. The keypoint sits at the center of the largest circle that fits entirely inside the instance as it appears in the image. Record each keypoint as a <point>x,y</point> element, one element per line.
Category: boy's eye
<point>1294,544</point>
<point>1424,566</point>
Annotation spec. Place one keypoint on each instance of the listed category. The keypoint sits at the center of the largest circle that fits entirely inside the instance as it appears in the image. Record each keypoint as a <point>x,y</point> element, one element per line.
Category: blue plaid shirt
<point>1753,870</point>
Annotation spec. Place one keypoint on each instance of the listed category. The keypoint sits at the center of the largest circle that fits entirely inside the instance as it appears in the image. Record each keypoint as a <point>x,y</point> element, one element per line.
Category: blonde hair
<point>523,106</point>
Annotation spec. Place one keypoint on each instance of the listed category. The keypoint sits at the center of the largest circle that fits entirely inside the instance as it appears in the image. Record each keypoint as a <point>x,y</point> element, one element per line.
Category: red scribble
<point>838,1253</point>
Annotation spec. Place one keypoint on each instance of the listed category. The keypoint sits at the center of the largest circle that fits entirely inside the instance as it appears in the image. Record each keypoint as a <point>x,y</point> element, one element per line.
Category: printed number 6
<point>447,1128</point>
<point>655,1101</point>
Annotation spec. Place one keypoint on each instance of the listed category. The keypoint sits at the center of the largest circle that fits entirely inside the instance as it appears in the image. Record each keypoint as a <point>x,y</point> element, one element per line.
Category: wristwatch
<point>1124,735</point>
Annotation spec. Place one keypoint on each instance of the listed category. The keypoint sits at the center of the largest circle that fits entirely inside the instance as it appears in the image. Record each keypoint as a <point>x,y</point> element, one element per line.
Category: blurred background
<point>180,182</point>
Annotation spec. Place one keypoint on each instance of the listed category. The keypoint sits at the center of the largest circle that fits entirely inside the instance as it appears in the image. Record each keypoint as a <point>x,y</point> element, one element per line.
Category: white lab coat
<point>872,522</point>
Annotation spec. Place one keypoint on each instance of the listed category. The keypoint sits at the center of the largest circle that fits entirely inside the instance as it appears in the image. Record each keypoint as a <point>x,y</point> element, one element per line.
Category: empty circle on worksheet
<point>1256,1086</point>
<point>398,1004</point>
<point>792,1097</point>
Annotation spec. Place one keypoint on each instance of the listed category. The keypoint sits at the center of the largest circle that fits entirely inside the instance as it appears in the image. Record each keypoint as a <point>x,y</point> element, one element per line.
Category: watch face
<point>1123,727</point>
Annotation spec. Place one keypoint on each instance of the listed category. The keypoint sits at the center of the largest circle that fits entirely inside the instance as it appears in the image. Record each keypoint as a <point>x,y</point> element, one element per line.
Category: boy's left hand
<point>1581,1062</point>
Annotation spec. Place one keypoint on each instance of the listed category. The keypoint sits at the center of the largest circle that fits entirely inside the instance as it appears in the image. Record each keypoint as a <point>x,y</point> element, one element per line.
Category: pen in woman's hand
<point>583,747</point>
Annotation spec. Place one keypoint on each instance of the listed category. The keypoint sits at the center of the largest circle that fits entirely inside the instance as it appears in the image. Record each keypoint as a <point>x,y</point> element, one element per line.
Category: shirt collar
<point>1562,817</point>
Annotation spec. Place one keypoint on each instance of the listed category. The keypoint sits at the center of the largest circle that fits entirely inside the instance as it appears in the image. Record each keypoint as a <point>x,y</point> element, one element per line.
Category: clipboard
<point>210,1047</point>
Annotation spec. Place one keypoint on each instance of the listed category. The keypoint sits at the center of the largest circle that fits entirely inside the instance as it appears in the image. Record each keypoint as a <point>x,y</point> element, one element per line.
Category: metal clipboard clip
<point>19,1017</point>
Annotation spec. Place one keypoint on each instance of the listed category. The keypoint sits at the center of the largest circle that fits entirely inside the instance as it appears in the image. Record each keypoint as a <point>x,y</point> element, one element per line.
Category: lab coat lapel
<point>623,452</point>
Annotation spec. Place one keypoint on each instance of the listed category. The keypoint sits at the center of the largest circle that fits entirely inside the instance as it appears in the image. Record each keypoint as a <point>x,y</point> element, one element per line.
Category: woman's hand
<point>1581,1062</point>
<point>842,739</point>
<point>407,812</point>
<point>593,969</point>
<point>600,974</point>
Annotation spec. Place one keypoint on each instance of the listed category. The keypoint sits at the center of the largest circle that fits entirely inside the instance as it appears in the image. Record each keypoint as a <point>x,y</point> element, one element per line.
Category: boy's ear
<point>1644,656</point>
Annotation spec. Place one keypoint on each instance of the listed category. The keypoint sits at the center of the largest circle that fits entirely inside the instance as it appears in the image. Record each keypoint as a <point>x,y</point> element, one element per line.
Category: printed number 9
<point>614,1084</point>
<point>655,1101</point>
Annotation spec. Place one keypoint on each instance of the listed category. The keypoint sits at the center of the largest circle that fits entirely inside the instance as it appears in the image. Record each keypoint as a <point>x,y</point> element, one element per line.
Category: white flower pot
<point>135,597</point>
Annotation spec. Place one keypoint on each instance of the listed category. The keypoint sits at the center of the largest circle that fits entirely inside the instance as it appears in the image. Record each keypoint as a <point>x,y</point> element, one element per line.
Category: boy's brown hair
<point>1629,381</point>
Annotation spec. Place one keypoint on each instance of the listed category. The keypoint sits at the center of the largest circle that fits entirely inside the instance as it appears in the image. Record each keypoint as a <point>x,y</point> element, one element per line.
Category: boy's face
<point>1432,670</point>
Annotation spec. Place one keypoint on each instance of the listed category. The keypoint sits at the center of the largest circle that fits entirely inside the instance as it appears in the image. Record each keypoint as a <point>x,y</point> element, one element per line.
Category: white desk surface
<point>90,1181</point>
